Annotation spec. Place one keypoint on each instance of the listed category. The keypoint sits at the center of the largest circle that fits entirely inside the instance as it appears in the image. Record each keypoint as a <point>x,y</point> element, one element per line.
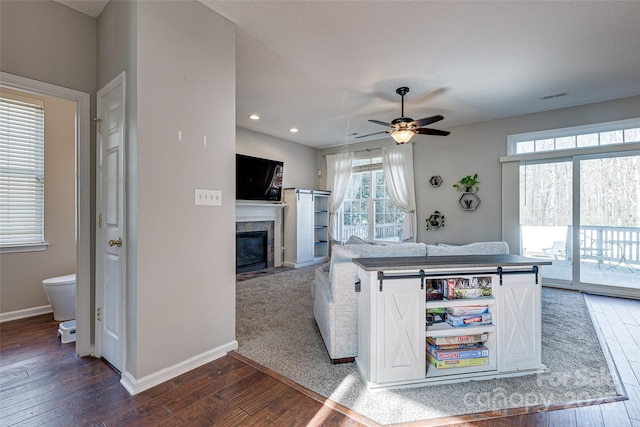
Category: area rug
<point>276,328</point>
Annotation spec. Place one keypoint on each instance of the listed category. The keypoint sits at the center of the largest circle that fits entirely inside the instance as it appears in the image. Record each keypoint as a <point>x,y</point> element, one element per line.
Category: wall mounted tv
<point>258,179</point>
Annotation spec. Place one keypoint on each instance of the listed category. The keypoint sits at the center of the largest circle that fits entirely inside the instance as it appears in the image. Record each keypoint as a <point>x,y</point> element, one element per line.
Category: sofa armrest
<point>343,279</point>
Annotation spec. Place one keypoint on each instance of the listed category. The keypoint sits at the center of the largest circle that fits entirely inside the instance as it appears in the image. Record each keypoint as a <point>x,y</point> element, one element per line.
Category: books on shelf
<point>465,351</point>
<point>457,363</point>
<point>461,288</point>
<point>430,341</point>
<point>458,339</point>
<point>478,315</point>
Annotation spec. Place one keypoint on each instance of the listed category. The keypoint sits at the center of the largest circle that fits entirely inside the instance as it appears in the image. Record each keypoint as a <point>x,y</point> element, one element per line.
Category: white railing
<point>611,244</point>
<point>387,232</point>
<point>599,244</point>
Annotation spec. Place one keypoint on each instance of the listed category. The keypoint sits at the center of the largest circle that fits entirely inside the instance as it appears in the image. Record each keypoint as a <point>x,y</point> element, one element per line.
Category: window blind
<point>21,173</point>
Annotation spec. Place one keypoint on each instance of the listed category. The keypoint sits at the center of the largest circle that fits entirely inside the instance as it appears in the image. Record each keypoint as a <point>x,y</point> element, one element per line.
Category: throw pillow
<point>355,240</point>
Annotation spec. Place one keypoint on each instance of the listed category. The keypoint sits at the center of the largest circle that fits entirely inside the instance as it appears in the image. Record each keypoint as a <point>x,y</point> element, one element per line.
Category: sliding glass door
<point>602,195</point>
<point>546,195</point>
<point>609,235</point>
<point>571,196</point>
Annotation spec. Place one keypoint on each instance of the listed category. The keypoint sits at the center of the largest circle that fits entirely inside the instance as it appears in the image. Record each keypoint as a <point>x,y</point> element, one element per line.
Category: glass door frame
<point>579,284</point>
<point>511,230</point>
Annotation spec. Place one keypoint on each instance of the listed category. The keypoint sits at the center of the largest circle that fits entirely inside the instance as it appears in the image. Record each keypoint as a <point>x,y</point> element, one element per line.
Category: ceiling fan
<point>403,128</point>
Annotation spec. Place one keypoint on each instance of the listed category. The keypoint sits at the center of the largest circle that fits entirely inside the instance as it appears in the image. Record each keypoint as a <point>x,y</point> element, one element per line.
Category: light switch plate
<point>205,197</point>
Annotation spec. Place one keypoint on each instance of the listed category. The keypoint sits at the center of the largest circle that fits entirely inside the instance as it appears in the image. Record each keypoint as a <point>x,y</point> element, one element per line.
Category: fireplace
<point>251,251</point>
<point>263,217</point>
<point>254,245</point>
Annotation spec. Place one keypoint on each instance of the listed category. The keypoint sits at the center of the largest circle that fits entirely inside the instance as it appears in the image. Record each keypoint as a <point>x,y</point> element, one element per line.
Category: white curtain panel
<point>397,163</point>
<point>338,177</point>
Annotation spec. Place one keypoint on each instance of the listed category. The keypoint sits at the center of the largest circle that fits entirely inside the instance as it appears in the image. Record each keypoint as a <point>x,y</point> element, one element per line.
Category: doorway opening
<point>83,221</point>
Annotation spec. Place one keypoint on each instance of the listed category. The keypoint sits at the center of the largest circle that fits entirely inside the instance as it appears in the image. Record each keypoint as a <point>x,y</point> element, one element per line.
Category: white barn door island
<point>448,319</point>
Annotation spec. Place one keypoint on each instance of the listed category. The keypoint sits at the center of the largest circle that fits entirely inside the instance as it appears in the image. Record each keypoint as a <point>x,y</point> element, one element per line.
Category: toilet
<point>61,292</point>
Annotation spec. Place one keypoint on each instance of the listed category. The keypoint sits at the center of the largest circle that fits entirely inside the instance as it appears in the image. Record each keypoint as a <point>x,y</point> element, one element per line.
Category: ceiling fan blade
<point>427,131</point>
<point>378,122</point>
<point>376,133</point>
<point>427,121</point>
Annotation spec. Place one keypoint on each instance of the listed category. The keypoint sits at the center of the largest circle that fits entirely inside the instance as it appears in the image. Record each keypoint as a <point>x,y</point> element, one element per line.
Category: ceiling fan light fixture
<point>403,128</point>
<point>402,136</point>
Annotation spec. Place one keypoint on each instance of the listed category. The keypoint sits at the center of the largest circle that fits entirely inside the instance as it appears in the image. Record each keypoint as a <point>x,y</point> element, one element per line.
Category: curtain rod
<point>366,149</point>
<point>357,151</point>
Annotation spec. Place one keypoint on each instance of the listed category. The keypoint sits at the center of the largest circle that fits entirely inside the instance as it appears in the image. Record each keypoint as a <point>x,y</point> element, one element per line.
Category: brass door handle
<point>117,242</point>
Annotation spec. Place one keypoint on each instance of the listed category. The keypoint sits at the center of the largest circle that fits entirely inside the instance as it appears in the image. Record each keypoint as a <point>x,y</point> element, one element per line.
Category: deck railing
<point>388,232</point>
<point>601,244</point>
<point>610,244</point>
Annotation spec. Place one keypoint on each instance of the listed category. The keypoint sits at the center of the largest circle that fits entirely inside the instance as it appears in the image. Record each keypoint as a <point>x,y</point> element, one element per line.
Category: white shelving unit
<point>306,227</point>
<point>392,335</point>
<point>446,330</point>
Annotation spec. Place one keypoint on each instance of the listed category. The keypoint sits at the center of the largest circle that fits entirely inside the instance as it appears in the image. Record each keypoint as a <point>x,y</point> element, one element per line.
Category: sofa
<point>335,301</point>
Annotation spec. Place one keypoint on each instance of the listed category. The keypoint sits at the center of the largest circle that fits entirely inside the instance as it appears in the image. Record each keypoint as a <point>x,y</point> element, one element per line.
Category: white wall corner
<point>135,386</point>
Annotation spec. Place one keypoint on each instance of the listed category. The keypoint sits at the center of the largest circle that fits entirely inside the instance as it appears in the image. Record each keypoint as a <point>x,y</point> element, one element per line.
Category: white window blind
<point>21,173</point>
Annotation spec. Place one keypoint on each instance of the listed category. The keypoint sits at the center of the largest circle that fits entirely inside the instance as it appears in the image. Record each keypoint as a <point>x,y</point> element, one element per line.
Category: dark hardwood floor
<point>43,383</point>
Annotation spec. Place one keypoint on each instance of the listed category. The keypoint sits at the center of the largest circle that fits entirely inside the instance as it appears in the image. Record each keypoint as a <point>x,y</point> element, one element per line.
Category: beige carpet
<point>276,328</point>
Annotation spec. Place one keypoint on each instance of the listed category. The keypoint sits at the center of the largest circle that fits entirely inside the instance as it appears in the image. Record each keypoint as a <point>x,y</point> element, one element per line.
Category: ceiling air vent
<point>557,95</point>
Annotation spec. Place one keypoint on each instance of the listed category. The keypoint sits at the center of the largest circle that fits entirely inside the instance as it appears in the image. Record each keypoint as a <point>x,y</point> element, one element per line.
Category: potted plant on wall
<point>468,185</point>
<point>435,221</point>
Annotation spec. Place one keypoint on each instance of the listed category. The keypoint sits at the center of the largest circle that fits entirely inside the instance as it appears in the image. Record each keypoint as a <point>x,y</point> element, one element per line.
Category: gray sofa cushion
<point>342,272</point>
<point>476,248</point>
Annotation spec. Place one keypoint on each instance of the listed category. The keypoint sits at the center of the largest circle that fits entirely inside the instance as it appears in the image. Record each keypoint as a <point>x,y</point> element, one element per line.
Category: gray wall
<point>185,279</point>
<point>299,160</point>
<point>476,148</point>
<point>49,42</point>
<point>181,273</point>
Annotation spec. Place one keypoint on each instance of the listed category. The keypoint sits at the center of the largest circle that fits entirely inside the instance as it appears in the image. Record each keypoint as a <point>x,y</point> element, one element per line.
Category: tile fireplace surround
<point>259,212</point>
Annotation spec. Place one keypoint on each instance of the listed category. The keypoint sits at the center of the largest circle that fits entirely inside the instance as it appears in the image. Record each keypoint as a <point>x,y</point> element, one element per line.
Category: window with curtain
<point>367,211</point>
<point>21,173</point>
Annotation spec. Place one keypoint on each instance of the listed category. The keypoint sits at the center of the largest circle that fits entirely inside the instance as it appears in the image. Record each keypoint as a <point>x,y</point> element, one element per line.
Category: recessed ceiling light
<point>293,130</point>
<point>254,117</point>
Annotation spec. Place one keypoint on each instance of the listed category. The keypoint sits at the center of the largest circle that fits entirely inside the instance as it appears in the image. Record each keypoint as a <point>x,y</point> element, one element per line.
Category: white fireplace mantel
<point>250,212</point>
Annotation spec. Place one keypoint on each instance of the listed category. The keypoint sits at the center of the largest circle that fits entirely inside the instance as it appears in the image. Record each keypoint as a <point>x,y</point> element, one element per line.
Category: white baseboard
<point>27,312</point>
<point>135,386</point>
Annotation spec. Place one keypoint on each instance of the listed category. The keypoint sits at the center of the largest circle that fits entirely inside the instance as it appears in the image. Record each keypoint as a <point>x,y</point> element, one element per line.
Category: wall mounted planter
<point>435,181</point>
<point>469,201</point>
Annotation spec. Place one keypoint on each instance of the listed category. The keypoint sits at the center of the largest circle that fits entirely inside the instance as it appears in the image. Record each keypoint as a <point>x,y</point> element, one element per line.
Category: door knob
<point>117,242</point>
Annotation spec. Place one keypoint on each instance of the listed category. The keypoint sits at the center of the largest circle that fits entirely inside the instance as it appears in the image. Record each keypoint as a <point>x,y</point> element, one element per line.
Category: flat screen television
<point>258,179</point>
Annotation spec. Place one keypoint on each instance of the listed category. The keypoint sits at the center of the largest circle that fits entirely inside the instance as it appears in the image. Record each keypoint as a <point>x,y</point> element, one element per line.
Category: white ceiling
<point>92,8</point>
<point>326,67</point>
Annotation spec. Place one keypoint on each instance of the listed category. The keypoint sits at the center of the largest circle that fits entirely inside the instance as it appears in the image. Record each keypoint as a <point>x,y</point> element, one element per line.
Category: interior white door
<point>110,236</point>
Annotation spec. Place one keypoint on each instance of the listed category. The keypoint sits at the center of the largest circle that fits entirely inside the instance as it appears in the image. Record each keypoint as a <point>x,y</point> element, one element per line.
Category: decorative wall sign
<point>435,221</point>
<point>469,201</point>
<point>435,181</point>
